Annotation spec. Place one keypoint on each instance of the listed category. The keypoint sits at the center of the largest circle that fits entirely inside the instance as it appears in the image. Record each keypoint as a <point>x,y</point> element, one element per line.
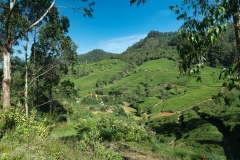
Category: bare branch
<point>41,74</point>
<point>73,8</point>
<point>45,102</point>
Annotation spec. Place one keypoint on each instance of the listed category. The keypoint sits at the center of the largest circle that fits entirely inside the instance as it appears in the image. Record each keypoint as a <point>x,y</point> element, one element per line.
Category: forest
<point>171,95</point>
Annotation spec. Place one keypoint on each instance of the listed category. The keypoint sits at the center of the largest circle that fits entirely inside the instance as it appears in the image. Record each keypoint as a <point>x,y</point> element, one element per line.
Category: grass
<point>149,102</point>
<point>63,130</point>
<point>200,136</point>
<point>129,110</point>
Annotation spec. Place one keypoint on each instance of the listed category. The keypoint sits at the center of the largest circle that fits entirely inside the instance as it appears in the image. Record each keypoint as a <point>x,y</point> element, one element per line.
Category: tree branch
<point>73,8</point>
<point>45,102</point>
<point>35,23</point>
<point>41,74</point>
<point>12,4</point>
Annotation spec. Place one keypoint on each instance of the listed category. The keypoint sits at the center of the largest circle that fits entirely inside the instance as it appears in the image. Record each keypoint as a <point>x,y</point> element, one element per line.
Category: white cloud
<point>161,14</point>
<point>118,45</point>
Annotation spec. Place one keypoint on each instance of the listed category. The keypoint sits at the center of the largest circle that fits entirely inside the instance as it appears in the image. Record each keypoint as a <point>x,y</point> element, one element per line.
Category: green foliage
<point>67,89</point>
<point>137,1</point>
<point>90,130</point>
<point>165,128</point>
<point>111,129</point>
<point>22,127</point>
<point>40,148</point>
<point>147,105</point>
<point>89,101</point>
<point>199,133</point>
<point>154,46</point>
<point>119,111</point>
<point>187,99</point>
<point>191,136</point>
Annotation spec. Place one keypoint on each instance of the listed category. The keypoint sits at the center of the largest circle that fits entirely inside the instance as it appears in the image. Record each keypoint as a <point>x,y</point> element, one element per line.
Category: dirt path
<point>157,104</point>
<point>163,114</point>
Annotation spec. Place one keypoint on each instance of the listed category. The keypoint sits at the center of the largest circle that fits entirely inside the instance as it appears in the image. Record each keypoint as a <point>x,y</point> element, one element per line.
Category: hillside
<point>156,45</point>
<point>143,84</point>
<point>156,95</point>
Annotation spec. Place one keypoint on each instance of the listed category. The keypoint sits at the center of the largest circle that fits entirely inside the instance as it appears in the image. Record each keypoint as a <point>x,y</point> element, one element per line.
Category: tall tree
<point>54,51</point>
<point>13,26</point>
<point>17,18</point>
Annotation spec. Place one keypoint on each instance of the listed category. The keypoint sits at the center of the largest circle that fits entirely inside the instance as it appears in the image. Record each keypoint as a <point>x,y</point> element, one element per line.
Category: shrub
<point>14,118</point>
<point>89,134</point>
<point>112,129</point>
<point>103,109</point>
<point>89,101</point>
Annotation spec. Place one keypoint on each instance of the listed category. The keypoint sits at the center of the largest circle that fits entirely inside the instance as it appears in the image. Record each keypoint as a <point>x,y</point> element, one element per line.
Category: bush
<point>89,134</point>
<point>89,101</point>
<point>110,129</point>
<point>103,109</point>
<point>15,119</point>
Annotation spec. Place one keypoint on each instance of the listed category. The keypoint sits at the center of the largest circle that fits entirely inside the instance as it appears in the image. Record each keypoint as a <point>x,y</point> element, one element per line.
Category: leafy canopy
<point>204,21</point>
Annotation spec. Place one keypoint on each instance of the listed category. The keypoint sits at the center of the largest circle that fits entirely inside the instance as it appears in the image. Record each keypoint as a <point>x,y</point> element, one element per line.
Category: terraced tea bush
<point>200,135</point>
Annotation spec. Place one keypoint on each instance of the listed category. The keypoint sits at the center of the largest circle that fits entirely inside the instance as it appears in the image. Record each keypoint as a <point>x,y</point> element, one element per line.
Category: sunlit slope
<point>160,72</point>
<point>102,70</point>
<point>188,99</point>
<point>155,70</point>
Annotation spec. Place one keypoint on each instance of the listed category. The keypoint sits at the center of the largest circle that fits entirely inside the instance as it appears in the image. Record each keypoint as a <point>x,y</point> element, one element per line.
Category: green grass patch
<point>63,130</point>
<point>129,110</point>
<point>191,97</point>
<point>200,136</point>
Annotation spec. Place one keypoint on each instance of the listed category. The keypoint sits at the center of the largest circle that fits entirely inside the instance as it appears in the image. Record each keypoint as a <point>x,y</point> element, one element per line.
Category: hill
<point>95,56</point>
<point>156,45</point>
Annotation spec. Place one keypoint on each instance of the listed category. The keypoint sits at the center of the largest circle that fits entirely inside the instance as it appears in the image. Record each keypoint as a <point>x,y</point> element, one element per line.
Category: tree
<point>137,1</point>
<point>204,22</point>
<point>16,19</point>
<point>54,51</point>
<point>69,52</point>
<point>14,23</point>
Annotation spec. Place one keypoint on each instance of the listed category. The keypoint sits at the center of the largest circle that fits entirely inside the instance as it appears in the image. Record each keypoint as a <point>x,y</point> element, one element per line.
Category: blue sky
<point>116,25</point>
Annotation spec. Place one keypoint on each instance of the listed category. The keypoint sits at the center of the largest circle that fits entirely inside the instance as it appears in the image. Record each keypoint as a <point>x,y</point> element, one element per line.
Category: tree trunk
<point>236,21</point>
<point>34,89</point>
<point>26,91</point>
<point>50,97</point>
<point>26,80</point>
<point>6,78</point>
